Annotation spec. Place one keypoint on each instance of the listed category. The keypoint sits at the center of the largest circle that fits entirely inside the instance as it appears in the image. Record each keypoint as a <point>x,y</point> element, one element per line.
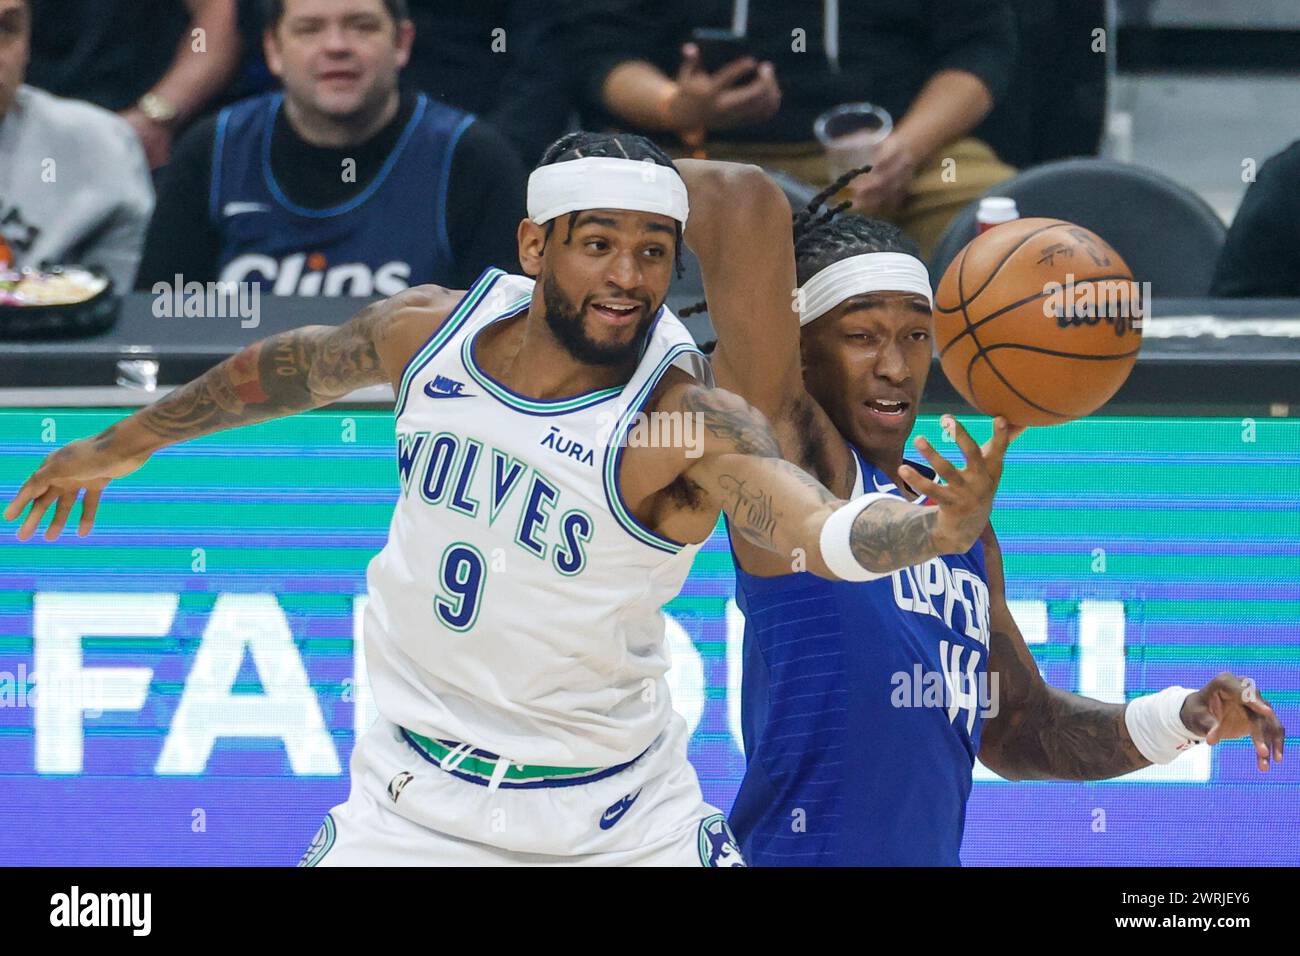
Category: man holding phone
<point>749,88</point>
<point>718,86</point>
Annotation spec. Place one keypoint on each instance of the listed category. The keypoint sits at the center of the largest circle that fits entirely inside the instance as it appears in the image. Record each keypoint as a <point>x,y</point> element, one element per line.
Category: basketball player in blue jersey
<point>842,770</point>
<point>513,633</point>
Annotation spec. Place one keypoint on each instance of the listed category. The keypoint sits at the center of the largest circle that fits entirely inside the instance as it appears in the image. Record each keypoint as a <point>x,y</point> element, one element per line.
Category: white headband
<point>599,182</point>
<point>869,272</point>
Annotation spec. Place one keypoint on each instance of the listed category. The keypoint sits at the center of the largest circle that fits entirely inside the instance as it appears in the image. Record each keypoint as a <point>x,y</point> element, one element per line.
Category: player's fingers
<point>974,456</point>
<point>1258,705</point>
<point>61,512</point>
<point>89,506</point>
<point>942,466</point>
<point>37,512</point>
<point>1259,736</point>
<point>941,494</point>
<point>1212,735</point>
<point>1271,732</point>
<point>995,448</point>
<point>32,489</point>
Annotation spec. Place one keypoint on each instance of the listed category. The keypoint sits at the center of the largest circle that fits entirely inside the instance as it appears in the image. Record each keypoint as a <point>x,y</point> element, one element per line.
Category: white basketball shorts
<point>405,810</point>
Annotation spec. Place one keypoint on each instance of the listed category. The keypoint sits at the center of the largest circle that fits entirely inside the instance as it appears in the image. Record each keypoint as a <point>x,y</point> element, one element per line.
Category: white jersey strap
<point>668,345</point>
<point>473,296</point>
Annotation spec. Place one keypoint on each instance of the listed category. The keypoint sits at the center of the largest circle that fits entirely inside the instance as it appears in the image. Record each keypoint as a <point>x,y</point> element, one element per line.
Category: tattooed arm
<point>779,507</point>
<point>739,230</point>
<point>278,376</point>
<point>1043,733</point>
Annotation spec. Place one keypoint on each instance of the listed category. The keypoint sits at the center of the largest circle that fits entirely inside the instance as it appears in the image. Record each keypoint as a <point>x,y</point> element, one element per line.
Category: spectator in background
<point>74,186</point>
<point>937,66</point>
<point>504,60</point>
<point>344,184</point>
<point>142,59</point>
<point>1261,258</point>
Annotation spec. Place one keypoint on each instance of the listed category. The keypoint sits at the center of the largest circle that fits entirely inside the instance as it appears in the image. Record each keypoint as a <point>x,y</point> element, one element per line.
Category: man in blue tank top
<point>344,183</point>
<point>865,703</point>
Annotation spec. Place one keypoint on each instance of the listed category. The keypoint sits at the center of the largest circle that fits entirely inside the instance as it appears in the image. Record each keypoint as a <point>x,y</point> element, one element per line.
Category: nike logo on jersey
<point>443,387</point>
<point>617,810</point>
<point>238,208</point>
<point>887,486</point>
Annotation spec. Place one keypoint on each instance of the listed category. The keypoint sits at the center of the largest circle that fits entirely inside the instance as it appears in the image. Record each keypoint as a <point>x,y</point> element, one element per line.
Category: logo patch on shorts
<point>617,809</point>
<point>398,784</point>
<point>717,845</point>
<point>320,843</point>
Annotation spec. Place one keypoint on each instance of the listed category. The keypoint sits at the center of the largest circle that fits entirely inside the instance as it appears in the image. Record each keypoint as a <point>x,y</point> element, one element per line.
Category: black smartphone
<point>720,47</point>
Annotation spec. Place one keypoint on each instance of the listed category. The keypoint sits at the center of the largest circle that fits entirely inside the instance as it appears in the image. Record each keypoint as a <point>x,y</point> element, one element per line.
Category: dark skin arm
<point>738,215</point>
<point>776,505</point>
<point>281,375</point>
<point>1043,733</point>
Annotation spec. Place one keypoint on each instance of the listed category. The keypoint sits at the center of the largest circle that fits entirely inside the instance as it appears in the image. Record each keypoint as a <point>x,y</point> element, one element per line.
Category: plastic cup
<point>850,134</point>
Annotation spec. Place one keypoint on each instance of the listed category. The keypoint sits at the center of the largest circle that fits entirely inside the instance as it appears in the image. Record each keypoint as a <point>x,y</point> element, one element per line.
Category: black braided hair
<point>581,144</point>
<point>821,239</point>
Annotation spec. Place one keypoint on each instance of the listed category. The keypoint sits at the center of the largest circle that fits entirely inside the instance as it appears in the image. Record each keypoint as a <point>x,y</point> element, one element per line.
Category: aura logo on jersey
<point>443,468</point>
<point>558,442</point>
<point>305,273</point>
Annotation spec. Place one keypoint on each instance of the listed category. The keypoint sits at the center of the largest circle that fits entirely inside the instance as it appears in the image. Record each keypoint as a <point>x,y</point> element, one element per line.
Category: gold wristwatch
<point>158,108</point>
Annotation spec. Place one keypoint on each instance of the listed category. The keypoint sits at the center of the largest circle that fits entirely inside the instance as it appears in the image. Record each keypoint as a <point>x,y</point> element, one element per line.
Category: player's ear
<point>532,245</point>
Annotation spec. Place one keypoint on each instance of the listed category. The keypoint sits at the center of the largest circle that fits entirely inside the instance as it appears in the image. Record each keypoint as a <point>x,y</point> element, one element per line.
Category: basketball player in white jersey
<point>513,632</point>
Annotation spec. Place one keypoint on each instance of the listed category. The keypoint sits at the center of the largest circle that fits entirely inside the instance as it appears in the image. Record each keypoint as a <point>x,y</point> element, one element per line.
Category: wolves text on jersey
<point>441,469</point>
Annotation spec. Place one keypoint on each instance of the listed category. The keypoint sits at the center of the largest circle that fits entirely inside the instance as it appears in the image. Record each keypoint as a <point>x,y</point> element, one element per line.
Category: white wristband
<point>1156,725</point>
<point>836,537</point>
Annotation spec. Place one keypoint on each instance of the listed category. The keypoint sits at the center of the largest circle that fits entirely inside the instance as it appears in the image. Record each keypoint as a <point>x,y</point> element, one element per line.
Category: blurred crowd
<point>356,147</point>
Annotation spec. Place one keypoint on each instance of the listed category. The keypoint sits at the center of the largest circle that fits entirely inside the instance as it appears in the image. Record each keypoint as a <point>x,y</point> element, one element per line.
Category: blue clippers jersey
<point>859,750</point>
<point>391,235</point>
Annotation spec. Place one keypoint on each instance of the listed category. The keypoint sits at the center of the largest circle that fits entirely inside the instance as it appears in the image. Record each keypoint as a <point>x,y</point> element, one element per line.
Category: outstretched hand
<point>79,466</point>
<point>1230,706</point>
<point>965,497</point>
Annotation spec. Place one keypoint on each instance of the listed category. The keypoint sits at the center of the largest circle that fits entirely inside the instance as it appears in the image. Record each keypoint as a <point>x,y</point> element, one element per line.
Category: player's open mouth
<point>888,407</point>
<point>617,312</point>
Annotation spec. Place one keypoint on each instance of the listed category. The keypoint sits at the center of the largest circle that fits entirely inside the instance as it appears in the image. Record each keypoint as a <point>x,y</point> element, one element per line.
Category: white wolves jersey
<point>516,604</point>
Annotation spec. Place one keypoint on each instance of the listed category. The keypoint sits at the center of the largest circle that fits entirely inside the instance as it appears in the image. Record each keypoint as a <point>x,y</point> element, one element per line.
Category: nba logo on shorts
<point>717,845</point>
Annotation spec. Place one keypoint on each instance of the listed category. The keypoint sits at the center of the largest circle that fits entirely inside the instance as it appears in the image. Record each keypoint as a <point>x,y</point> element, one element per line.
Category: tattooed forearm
<point>889,535</point>
<point>729,421</point>
<point>750,509</point>
<point>1042,733</point>
<point>280,375</point>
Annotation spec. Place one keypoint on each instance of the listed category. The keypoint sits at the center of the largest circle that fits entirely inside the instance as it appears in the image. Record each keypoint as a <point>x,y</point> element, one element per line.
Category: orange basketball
<point>1038,320</point>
